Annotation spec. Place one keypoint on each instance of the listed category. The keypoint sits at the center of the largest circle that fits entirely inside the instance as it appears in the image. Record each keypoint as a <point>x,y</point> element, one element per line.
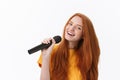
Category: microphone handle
<point>39,47</point>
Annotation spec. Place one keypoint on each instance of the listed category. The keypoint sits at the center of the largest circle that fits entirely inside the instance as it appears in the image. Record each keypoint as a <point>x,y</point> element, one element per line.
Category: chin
<point>68,38</point>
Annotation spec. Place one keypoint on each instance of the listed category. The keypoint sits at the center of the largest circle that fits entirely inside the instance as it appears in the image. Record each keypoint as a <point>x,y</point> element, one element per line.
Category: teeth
<point>70,33</point>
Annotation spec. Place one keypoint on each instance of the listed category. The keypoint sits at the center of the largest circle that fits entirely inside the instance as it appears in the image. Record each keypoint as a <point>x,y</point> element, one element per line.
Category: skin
<point>73,33</point>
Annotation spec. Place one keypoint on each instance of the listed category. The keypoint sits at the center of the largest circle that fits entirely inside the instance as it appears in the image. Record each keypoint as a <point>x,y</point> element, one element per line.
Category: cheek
<point>79,35</point>
<point>66,29</point>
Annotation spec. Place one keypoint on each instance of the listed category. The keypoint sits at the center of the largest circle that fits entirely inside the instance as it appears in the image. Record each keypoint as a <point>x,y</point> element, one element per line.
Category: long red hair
<point>88,52</point>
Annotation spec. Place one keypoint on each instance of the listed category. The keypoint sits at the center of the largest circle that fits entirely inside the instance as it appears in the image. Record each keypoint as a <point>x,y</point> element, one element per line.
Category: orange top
<point>74,73</point>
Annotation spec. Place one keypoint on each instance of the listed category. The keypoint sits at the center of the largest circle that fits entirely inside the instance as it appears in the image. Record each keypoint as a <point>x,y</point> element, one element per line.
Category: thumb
<point>53,42</point>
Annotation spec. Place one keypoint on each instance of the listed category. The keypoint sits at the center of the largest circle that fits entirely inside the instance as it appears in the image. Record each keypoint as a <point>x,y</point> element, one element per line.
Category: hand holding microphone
<point>46,51</point>
<point>44,45</point>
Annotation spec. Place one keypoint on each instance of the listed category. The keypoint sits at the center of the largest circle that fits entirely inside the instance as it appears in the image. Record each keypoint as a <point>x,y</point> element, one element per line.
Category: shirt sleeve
<point>40,61</point>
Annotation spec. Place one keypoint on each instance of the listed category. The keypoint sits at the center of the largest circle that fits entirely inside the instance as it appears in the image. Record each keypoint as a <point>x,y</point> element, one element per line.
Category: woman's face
<point>73,30</point>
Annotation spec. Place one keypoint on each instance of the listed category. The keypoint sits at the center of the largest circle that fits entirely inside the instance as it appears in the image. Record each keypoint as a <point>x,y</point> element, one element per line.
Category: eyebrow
<point>79,25</point>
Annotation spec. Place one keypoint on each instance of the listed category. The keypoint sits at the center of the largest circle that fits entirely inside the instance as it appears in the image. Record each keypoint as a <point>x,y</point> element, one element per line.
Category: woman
<point>76,56</point>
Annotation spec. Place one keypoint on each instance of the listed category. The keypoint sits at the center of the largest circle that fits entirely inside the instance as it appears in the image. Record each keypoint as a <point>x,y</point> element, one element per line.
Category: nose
<point>72,28</point>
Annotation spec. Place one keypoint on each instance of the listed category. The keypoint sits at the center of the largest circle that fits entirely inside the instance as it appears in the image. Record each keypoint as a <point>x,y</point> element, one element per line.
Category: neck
<point>73,45</point>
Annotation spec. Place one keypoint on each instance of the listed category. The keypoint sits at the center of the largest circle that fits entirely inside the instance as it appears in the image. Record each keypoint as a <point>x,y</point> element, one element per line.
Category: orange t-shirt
<point>74,73</point>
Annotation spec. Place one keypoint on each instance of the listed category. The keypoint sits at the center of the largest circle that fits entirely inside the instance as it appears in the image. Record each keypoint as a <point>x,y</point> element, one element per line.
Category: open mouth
<point>70,33</point>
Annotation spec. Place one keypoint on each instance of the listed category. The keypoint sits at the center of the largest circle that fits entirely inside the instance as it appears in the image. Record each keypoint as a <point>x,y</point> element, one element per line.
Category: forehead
<point>77,20</point>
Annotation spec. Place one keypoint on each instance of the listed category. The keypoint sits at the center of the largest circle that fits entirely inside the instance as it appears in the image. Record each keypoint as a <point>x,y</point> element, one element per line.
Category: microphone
<point>44,46</point>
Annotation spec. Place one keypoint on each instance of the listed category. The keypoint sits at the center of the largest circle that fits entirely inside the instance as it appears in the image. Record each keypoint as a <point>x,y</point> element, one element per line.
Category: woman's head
<point>77,27</point>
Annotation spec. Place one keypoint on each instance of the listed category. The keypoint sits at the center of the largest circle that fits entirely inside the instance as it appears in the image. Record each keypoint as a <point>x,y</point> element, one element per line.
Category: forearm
<point>46,53</point>
<point>45,74</point>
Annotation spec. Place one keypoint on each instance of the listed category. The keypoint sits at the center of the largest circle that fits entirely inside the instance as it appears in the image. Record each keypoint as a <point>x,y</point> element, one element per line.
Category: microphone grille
<point>57,39</point>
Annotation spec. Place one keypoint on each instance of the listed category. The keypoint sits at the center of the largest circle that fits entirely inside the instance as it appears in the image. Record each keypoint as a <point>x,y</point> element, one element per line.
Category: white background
<point>25,23</point>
